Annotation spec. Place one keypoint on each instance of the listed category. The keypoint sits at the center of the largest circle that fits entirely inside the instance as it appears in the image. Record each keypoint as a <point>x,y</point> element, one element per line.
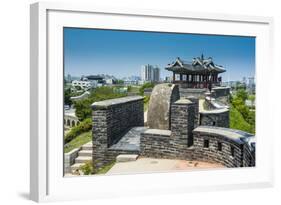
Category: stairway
<point>84,155</point>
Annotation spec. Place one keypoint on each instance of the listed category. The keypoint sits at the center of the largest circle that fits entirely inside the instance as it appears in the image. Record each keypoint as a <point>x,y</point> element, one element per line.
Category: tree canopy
<point>83,107</point>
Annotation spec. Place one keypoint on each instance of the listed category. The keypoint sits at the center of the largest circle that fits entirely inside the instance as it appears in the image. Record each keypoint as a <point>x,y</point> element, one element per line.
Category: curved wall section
<point>225,146</point>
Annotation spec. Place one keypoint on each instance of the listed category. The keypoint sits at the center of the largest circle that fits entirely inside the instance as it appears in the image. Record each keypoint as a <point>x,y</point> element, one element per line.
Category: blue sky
<point>122,53</point>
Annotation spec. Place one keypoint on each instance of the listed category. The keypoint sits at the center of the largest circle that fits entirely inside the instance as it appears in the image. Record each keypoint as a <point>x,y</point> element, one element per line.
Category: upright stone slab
<point>159,109</point>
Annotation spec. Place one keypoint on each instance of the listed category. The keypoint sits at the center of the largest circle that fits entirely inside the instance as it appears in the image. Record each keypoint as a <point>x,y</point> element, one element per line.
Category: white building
<point>84,84</point>
<point>150,73</point>
<point>109,81</point>
<point>87,82</point>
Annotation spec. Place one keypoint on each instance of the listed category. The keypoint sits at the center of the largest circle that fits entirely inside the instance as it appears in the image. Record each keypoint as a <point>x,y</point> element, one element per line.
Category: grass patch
<point>78,141</point>
<point>134,89</point>
<point>238,122</point>
<point>105,168</point>
<point>146,102</point>
<point>145,105</point>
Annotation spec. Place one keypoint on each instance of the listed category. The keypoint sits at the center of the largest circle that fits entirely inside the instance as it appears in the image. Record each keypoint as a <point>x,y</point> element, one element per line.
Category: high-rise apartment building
<point>150,73</point>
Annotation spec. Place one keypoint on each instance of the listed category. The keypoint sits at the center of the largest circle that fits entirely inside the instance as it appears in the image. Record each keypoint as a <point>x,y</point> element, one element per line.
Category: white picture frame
<point>46,155</point>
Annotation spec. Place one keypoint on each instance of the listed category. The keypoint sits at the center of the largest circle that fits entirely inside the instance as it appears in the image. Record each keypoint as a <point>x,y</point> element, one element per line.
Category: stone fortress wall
<point>219,118</point>
<point>190,135</point>
<point>221,94</point>
<point>195,92</point>
<point>111,120</point>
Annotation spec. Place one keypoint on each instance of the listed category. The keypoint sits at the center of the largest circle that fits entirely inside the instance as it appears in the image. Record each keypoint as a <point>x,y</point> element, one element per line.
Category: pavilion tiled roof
<point>197,65</point>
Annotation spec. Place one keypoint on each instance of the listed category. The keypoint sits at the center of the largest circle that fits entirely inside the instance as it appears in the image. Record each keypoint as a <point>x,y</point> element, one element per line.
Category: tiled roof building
<point>199,73</point>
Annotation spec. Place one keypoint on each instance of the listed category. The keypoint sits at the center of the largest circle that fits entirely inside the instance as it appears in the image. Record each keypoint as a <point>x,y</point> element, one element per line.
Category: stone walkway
<point>142,165</point>
<point>130,141</point>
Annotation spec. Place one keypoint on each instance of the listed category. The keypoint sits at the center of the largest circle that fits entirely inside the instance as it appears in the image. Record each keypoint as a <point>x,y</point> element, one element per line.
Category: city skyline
<point>123,53</point>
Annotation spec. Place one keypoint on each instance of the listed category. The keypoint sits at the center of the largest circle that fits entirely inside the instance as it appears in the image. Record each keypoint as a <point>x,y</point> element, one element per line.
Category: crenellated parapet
<point>232,148</point>
<point>179,128</point>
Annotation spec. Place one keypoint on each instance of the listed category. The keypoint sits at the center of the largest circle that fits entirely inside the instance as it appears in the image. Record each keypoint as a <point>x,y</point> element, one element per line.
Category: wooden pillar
<point>173,76</point>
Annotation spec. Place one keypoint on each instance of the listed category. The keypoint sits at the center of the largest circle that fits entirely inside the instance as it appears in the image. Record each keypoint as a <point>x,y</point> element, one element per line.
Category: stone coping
<point>215,111</point>
<point>232,134</point>
<point>183,101</point>
<point>75,150</point>
<point>195,89</point>
<point>158,132</point>
<point>220,88</point>
<point>108,103</point>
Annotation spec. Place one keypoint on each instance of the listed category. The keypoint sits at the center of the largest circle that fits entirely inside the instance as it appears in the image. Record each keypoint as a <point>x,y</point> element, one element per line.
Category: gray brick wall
<point>232,154</point>
<point>219,118</point>
<point>182,122</point>
<point>212,154</point>
<point>112,119</point>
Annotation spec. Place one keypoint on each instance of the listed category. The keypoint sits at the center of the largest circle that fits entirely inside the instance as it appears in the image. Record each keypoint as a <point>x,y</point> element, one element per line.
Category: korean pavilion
<point>200,73</point>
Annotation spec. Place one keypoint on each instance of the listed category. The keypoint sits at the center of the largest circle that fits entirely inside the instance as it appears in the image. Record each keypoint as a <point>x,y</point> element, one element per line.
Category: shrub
<point>84,126</point>
<point>238,122</point>
<point>87,168</point>
<point>146,99</point>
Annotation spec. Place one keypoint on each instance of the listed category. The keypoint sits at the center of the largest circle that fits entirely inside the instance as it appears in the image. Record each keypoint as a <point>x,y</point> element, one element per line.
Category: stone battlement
<point>112,119</point>
<point>178,129</point>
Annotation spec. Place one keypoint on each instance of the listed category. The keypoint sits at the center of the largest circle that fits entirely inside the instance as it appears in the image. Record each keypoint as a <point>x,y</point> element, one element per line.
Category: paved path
<point>159,165</point>
<point>130,141</point>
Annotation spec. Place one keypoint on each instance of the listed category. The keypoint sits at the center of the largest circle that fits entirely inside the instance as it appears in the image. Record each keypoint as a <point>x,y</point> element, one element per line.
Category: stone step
<point>126,157</point>
<point>86,153</point>
<point>83,159</point>
<point>88,146</point>
<point>76,166</point>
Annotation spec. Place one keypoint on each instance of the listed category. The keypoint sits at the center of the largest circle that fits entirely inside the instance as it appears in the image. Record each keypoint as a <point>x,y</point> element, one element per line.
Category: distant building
<point>251,85</point>
<point>68,78</point>
<point>87,82</point>
<point>244,80</point>
<point>150,73</point>
<point>97,78</point>
<point>250,103</point>
<point>231,84</point>
<point>199,73</point>
<point>168,79</point>
<point>84,84</point>
<point>156,74</point>
<point>110,81</point>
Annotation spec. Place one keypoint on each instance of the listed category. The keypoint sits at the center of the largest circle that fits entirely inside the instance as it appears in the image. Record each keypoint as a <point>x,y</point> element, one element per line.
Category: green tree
<point>240,85</point>
<point>144,86</point>
<point>120,82</point>
<point>67,95</point>
<point>238,103</point>
<point>242,94</point>
<point>83,108</point>
<point>83,126</point>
